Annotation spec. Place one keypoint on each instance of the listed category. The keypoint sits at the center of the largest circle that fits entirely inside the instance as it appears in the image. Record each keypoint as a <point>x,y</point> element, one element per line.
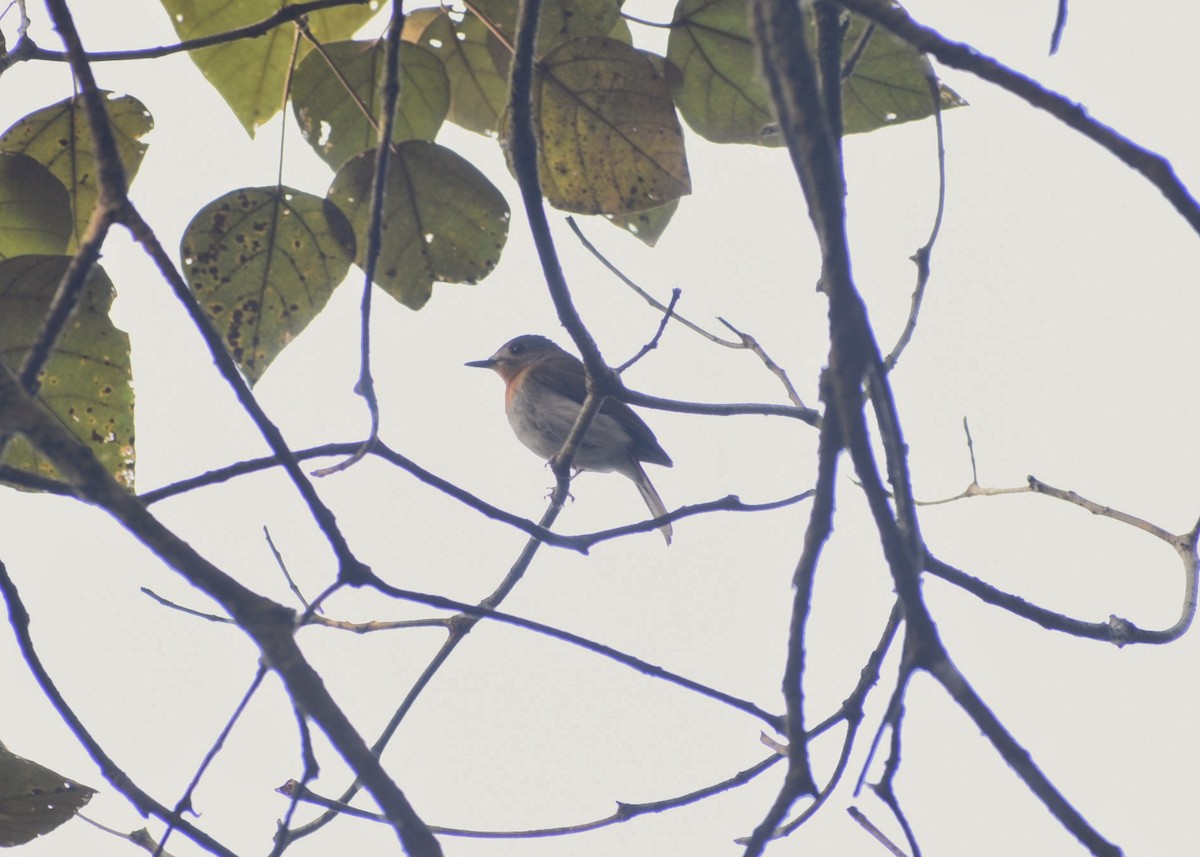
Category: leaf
<point>34,800</point>
<point>890,83</point>
<point>35,208</point>
<point>442,219</point>
<point>720,93</point>
<point>559,20</point>
<point>478,90</point>
<point>59,138</point>
<point>649,225</point>
<point>723,99</point>
<point>608,138</point>
<point>263,262</point>
<point>87,381</point>
<point>333,122</point>
<point>250,73</point>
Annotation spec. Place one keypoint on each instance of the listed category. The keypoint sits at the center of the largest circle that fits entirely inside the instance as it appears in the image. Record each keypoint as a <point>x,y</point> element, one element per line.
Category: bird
<point>544,389</point>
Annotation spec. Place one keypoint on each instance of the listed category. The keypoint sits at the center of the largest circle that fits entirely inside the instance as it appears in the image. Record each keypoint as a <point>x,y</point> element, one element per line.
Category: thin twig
<point>924,253</point>
<point>477,612</point>
<point>284,569</point>
<point>18,620</point>
<point>653,343</point>
<point>1060,24</point>
<point>1152,166</point>
<point>27,50</point>
<point>639,291</point>
<point>140,837</point>
<point>751,344</point>
<point>184,804</point>
<point>383,150</point>
<point>623,813</point>
<point>865,823</point>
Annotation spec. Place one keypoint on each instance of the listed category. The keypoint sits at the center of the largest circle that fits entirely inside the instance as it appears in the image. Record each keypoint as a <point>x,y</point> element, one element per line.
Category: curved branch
<point>268,624</point>
<point>477,612</point>
<point>624,811</point>
<point>18,619</point>
<point>1153,166</point>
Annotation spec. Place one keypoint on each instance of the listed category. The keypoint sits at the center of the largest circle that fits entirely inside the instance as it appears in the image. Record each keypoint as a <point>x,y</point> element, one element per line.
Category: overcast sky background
<point>1061,319</point>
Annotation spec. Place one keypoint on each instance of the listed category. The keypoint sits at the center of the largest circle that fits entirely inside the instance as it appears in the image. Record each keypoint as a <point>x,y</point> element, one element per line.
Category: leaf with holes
<point>890,83</point>
<point>250,73</point>
<point>608,138</point>
<point>332,119</point>
<point>442,219</point>
<point>263,262</point>
<point>34,800</point>
<point>87,381</point>
<point>59,138</point>
<point>714,75</point>
<point>35,208</point>
<point>559,20</point>
<point>649,225</point>
<point>478,90</point>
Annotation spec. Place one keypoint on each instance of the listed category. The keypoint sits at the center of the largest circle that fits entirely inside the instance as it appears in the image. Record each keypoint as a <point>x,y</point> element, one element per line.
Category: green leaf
<point>442,219</point>
<point>34,800</point>
<point>719,92</point>
<point>250,73</point>
<point>59,138</point>
<point>559,20</point>
<point>333,121</point>
<point>478,90</point>
<point>649,225</point>
<point>87,381</point>
<point>723,99</point>
<point>263,262</point>
<point>890,83</point>
<point>609,141</point>
<point>35,208</point>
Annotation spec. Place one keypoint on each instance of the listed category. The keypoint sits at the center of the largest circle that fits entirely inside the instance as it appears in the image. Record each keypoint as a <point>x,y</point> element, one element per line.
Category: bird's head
<point>519,354</point>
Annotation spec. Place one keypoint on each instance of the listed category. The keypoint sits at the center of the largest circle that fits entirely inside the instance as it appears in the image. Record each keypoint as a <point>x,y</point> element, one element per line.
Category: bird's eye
<point>516,349</point>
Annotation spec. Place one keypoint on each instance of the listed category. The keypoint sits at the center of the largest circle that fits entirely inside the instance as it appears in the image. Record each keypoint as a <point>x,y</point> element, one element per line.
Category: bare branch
<point>1060,24</point>
<point>383,150</point>
<point>623,813</point>
<point>18,620</point>
<point>865,823</point>
<point>268,624</point>
<point>1153,167</point>
<point>922,256</point>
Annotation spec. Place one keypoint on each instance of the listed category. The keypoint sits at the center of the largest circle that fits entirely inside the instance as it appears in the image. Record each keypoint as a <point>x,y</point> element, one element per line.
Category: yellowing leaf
<point>35,209</point>
<point>59,138</point>
<point>87,381</point>
<point>442,219</point>
<point>333,121</point>
<point>559,20</point>
<point>250,73</point>
<point>477,87</point>
<point>263,262</point>
<point>608,138</point>
<point>34,800</point>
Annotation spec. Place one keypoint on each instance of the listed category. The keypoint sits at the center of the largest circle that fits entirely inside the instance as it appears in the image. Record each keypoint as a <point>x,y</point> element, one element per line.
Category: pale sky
<point>1060,319</point>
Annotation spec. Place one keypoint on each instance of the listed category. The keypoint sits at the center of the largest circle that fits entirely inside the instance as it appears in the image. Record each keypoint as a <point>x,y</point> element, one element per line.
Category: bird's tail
<point>653,502</point>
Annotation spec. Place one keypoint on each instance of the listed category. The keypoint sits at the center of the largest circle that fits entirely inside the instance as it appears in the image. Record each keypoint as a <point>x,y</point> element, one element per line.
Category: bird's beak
<point>490,363</point>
